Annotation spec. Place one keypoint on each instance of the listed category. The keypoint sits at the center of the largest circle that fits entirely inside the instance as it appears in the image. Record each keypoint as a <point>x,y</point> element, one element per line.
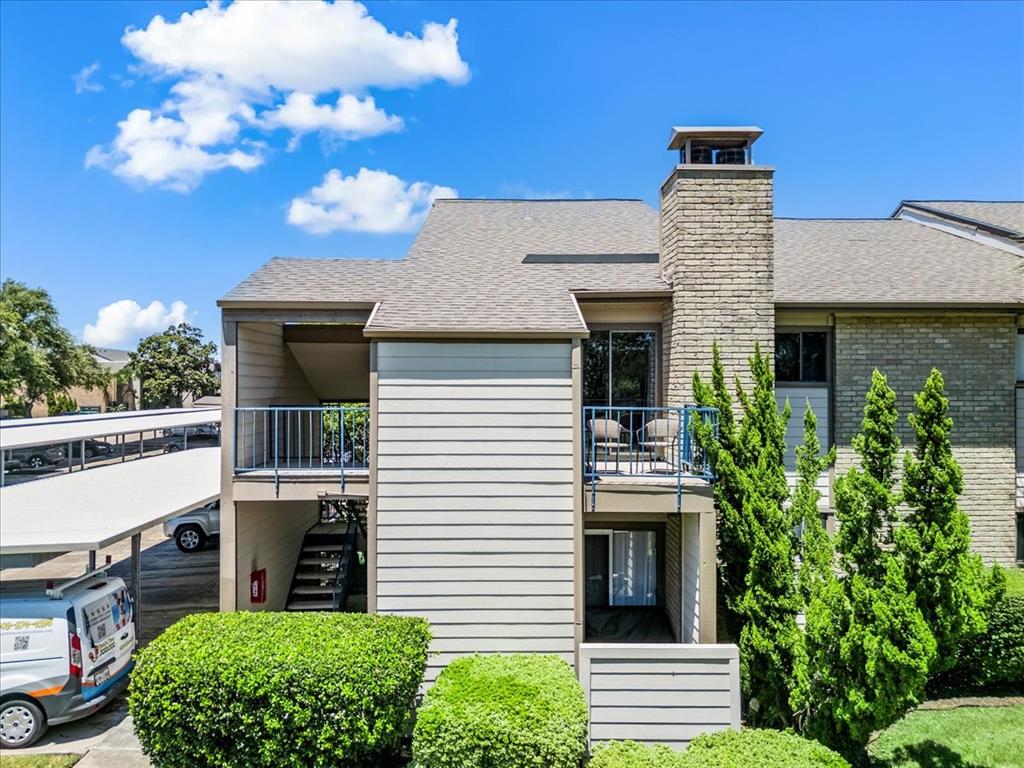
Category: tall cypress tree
<point>867,494</point>
<point>868,646</point>
<point>756,549</point>
<point>816,552</point>
<point>733,554</point>
<point>950,583</point>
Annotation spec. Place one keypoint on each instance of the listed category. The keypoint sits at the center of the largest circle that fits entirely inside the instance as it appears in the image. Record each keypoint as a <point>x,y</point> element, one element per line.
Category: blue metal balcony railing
<point>654,443</point>
<point>324,438</point>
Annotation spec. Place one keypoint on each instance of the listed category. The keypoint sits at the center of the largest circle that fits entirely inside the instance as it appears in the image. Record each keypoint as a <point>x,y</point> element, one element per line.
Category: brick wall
<point>717,251</point>
<point>976,357</point>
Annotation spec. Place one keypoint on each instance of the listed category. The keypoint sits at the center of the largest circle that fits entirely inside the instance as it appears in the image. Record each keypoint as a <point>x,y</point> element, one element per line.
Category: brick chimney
<point>717,252</point>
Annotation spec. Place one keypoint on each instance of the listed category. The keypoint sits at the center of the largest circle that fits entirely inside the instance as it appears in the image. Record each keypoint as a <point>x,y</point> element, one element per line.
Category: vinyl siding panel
<point>674,574</point>
<point>665,694</point>
<point>691,579</point>
<point>474,494</point>
<point>799,398</point>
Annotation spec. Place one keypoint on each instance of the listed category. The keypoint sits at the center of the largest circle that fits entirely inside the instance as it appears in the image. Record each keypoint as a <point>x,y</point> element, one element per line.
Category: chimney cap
<point>717,136</point>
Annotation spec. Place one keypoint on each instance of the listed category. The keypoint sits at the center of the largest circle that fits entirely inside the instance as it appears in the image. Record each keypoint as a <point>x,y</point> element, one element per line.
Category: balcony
<point>297,441</point>
<point>655,446</point>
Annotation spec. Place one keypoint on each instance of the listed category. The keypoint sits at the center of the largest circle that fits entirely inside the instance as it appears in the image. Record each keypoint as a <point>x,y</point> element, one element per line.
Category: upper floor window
<point>801,356</point>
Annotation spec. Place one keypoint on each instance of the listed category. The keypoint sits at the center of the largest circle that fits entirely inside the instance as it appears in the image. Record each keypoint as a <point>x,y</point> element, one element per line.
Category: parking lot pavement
<point>173,585</point>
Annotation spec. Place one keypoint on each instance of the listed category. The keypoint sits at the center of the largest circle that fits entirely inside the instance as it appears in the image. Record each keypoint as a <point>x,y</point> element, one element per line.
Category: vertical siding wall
<point>268,534</point>
<point>799,398</point>
<point>1020,451</point>
<point>691,579</point>
<point>664,694</point>
<point>474,494</point>
<point>682,576</point>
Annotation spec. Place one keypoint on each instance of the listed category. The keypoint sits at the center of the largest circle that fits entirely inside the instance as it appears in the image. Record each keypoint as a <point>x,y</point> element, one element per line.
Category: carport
<point>86,511</point>
<point>77,428</point>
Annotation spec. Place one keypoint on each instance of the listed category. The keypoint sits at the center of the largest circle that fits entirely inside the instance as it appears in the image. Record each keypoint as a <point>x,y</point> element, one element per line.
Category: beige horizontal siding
<point>474,494</point>
<point>665,694</point>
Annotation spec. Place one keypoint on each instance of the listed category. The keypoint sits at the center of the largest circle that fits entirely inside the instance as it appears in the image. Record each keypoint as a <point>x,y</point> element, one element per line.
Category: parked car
<point>198,432</point>
<point>36,457</point>
<point>61,657</point>
<point>93,448</point>
<point>11,464</point>
<point>191,531</point>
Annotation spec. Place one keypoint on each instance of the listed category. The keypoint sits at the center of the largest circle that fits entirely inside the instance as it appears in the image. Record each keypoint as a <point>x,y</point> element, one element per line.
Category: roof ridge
<point>984,202</point>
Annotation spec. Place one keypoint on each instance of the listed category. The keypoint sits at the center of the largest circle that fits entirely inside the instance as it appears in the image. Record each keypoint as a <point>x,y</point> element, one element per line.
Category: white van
<point>64,652</point>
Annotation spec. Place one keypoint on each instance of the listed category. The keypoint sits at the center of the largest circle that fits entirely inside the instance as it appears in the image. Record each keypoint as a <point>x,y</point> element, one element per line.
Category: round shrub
<point>281,689</point>
<point>994,660</point>
<point>758,748</point>
<point>629,754</point>
<point>522,710</point>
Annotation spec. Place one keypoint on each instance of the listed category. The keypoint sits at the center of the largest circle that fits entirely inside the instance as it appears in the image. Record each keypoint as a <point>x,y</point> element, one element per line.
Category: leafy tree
<point>38,357</point>
<point>817,555</point>
<point>868,646</point>
<point>952,589</point>
<point>58,403</point>
<point>757,535</point>
<point>172,365</point>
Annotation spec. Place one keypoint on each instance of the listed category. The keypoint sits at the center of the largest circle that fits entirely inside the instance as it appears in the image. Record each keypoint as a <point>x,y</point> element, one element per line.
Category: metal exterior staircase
<point>323,573</point>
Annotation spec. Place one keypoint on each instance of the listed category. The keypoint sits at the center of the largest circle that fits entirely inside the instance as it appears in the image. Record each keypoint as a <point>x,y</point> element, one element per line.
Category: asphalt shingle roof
<point>1006,215</point>
<point>465,271</point>
<point>889,261</point>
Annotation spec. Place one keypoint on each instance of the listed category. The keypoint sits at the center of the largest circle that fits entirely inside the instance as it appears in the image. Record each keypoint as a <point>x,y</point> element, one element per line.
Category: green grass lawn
<point>969,737</point>
<point>8,760</point>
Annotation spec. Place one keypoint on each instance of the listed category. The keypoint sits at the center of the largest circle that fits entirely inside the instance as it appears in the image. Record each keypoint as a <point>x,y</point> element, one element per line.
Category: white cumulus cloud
<point>242,69</point>
<point>152,149</point>
<point>83,79</point>
<point>124,322</point>
<point>350,118</point>
<point>370,201</point>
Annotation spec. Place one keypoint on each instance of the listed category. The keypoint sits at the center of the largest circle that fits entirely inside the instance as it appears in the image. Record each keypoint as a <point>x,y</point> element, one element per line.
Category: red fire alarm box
<point>258,586</point>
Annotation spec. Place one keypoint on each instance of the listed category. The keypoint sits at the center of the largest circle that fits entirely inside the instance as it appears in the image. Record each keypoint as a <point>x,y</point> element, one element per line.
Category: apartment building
<point>495,431</point>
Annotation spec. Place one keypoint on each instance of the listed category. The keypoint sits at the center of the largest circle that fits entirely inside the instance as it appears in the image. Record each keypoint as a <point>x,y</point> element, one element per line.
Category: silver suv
<point>191,531</point>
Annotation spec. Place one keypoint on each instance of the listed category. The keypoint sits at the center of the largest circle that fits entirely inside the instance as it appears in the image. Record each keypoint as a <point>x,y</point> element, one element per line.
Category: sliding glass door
<point>620,368</point>
<point>621,568</point>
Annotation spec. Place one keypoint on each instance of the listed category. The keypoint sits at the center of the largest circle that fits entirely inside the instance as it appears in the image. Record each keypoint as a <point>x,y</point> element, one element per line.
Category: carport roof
<point>93,508</point>
<point>53,430</point>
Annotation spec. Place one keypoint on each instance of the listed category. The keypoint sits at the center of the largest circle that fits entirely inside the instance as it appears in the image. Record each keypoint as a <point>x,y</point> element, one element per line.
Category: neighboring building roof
<point>503,266</point>
<point>831,262</point>
<point>1007,216</point>
<point>113,355</point>
<point>466,270</point>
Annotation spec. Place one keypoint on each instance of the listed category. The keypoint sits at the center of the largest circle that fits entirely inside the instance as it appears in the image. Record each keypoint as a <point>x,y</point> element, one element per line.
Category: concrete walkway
<point>118,749</point>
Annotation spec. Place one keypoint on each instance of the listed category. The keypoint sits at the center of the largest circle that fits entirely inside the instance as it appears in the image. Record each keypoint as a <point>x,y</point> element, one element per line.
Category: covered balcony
<point>301,416</point>
<point>294,440</point>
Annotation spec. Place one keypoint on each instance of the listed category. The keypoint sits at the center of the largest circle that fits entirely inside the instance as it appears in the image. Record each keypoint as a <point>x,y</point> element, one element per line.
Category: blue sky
<point>862,104</point>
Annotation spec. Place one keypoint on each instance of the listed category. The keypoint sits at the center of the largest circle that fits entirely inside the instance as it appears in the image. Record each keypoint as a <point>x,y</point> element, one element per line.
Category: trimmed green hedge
<point>281,689</point>
<point>523,710</point>
<point>749,748</point>
<point>629,754</point>
<point>995,660</point>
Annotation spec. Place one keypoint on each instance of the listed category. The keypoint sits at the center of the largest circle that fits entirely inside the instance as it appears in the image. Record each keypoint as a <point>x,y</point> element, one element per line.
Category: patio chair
<point>607,439</point>
<point>660,439</point>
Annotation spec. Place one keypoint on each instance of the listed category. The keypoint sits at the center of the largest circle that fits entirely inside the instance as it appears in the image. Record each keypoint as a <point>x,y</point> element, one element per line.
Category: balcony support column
<point>708,579</point>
